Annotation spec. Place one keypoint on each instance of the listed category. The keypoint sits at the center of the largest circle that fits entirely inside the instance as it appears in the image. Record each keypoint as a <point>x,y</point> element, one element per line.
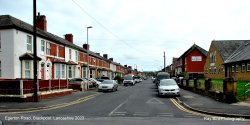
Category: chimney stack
<point>105,56</point>
<point>111,59</point>
<point>41,22</point>
<point>86,46</point>
<point>69,37</point>
<point>125,66</point>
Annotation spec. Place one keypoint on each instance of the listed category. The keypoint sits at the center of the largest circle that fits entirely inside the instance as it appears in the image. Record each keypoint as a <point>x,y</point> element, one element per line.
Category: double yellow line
<point>29,110</point>
<point>179,106</point>
<point>186,110</point>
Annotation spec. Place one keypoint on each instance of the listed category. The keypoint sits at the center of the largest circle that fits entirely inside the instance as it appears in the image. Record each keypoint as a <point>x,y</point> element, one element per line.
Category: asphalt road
<point>132,105</point>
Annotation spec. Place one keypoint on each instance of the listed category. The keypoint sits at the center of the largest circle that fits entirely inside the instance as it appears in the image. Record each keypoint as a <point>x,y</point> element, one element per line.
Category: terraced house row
<point>59,58</point>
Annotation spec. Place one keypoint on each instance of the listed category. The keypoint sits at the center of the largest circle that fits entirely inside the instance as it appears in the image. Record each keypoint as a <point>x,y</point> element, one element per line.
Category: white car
<point>107,85</point>
<point>128,80</point>
<point>168,87</point>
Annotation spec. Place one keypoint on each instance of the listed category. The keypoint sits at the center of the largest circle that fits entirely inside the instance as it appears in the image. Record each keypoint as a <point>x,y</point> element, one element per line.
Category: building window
<point>48,48</point>
<point>70,54</point>
<point>248,66</point>
<point>76,54</point>
<point>79,56</point>
<point>29,43</point>
<point>74,72</point>
<point>42,46</point>
<point>237,68</point>
<point>57,71</point>
<point>243,67</point>
<point>0,69</point>
<point>84,72</point>
<point>63,70</point>
<point>233,69</point>
<point>27,69</point>
<point>70,72</point>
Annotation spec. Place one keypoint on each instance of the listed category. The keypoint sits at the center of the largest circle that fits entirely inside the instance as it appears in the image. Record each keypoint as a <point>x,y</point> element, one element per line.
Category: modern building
<point>58,58</point>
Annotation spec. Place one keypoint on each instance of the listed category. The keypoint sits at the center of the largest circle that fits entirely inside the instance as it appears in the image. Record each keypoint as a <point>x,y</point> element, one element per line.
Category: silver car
<point>108,85</point>
<point>168,87</point>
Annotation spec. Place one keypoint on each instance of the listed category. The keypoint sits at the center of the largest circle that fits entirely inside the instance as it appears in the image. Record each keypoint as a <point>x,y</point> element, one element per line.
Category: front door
<point>42,70</point>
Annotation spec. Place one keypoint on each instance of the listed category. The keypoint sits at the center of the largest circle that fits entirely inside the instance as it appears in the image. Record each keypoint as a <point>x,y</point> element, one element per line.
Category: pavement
<point>207,105</point>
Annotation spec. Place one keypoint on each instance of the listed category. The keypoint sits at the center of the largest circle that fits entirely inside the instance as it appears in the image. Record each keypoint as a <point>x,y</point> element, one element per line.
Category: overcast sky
<point>137,32</point>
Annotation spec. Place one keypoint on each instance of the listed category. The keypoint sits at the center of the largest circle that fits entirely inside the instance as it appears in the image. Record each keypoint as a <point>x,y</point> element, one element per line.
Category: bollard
<point>229,90</point>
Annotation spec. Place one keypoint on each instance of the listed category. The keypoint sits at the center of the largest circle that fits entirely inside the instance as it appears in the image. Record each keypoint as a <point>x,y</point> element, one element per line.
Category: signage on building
<point>196,58</point>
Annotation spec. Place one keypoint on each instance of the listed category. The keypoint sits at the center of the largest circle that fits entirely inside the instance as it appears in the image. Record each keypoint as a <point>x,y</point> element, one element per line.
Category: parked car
<point>137,79</point>
<point>77,83</point>
<point>160,76</point>
<point>107,85</point>
<point>128,80</point>
<point>102,78</point>
<point>168,87</point>
<point>96,83</point>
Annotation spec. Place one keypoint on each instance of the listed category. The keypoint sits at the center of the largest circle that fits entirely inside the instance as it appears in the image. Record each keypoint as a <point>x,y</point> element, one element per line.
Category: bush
<point>118,78</point>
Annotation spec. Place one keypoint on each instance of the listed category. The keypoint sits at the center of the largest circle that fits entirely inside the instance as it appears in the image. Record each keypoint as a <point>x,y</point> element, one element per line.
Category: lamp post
<point>88,55</point>
<point>35,96</point>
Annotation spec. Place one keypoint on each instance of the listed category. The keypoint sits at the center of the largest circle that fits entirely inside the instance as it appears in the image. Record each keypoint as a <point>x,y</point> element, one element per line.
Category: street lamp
<point>88,55</point>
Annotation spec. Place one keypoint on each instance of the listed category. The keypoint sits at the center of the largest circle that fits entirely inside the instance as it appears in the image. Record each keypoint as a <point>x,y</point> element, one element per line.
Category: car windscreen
<point>160,77</point>
<point>128,78</point>
<point>107,82</point>
<point>167,83</point>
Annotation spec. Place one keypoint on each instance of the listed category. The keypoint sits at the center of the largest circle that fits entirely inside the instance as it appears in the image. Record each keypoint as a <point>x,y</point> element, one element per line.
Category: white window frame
<point>29,43</point>
<point>48,49</point>
<point>43,47</point>
<point>57,72</point>
<point>70,54</point>
<point>70,74</point>
<point>79,56</point>
<point>233,69</point>
<point>243,67</point>
<point>63,70</point>
<point>237,68</point>
<point>74,71</point>
<point>76,55</point>
<point>248,66</point>
<point>28,69</point>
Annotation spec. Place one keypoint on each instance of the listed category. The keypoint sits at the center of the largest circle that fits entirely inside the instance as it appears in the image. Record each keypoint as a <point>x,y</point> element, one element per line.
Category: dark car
<point>160,76</point>
<point>77,83</point>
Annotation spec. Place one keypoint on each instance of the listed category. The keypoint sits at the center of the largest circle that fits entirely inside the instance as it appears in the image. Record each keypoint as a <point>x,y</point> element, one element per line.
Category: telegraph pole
<point>35,97</point>
<point>164,62</point>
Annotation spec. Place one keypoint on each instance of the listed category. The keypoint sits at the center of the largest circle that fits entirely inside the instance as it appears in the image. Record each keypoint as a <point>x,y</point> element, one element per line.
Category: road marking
<point>141,114</point>
<point>29,110</point>
<point>117,107</point>
<point>154,101</point>
<point>166,115</point>
<point>190,116</point>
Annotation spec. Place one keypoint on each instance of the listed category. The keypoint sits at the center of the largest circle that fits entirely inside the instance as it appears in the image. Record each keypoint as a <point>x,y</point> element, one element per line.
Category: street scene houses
<point>58,58</point>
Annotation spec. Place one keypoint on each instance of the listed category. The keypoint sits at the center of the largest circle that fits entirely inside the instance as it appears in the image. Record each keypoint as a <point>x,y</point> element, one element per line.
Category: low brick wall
<point>22,90</point>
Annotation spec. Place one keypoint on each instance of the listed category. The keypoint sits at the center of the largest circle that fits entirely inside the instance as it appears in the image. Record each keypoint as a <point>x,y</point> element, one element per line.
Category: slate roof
<point>228,47</point>
<point>203,51</point>
<point>241,54</point>
<point>28,56</point>
<point>8,22</point>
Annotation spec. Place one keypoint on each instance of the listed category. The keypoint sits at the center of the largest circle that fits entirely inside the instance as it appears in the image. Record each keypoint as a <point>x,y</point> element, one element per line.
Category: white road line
<point>190,116</point>
<point>120,112</point>
<point>165,115</point>
<point>119,106</point>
